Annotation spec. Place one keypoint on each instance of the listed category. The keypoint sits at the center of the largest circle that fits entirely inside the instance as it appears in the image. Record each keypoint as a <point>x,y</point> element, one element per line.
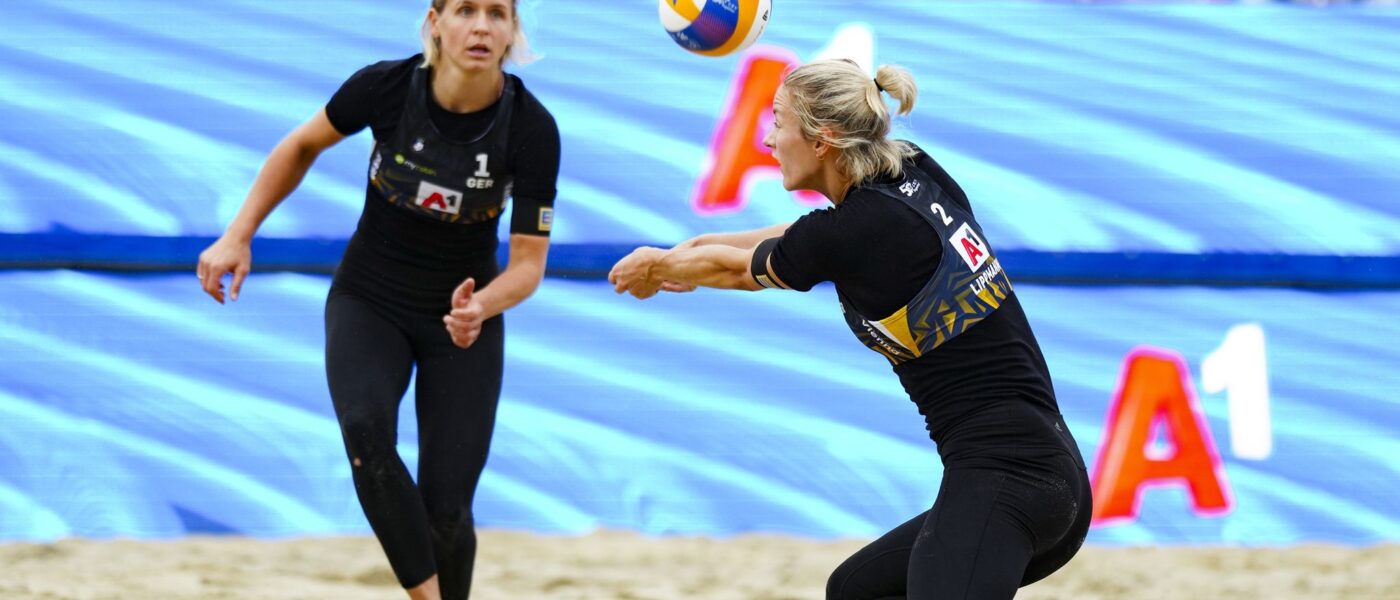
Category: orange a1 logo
<point>1155,397</point>
<point>737,154</point>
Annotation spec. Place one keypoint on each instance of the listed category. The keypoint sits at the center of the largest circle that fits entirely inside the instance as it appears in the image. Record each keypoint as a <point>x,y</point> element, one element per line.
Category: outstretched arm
<point>643,272</point>
<point>745,240</point>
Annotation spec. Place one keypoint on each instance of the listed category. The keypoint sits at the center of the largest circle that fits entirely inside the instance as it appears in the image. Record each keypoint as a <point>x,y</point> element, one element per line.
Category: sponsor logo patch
<point>546,218</point>
<point>970,247</point>
<point>438,198</point>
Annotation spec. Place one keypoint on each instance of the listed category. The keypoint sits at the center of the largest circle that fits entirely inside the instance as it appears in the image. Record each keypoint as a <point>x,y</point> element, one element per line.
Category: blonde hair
<point>837,103</point>
<point>517,52</point>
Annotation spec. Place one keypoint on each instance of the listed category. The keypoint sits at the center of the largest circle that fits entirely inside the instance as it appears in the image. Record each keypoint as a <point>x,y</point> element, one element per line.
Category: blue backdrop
<point>1112,143</point>
<point>135,406</point>
<point>1147,128</point>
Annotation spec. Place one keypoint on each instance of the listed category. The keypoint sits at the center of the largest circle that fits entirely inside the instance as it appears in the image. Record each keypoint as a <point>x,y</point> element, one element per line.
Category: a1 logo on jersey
<point>438,198</point>
<point>970,247</point>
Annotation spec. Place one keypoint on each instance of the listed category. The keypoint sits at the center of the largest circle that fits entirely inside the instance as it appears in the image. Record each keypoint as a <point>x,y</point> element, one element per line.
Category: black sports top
<point>949,323</point>
<point>439,181</point>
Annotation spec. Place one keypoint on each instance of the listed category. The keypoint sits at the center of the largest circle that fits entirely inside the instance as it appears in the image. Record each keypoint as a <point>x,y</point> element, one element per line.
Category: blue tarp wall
<point>1193,169</point>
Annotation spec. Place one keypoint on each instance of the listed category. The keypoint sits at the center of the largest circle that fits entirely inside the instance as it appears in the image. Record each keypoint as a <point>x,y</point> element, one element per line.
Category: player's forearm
<point>714,266</point>
<point>515,284</point>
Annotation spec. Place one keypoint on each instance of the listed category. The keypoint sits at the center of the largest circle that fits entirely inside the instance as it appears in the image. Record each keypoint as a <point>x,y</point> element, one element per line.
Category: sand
<point>628,566</point>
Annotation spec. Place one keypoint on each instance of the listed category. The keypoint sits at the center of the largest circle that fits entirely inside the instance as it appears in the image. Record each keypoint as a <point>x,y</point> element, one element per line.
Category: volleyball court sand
<point>627,566</point>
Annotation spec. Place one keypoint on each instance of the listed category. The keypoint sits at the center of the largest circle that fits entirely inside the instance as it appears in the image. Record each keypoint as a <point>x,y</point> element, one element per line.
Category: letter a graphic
<point>974,254</point>
<point>1156,390</point>
<point>737,150</point>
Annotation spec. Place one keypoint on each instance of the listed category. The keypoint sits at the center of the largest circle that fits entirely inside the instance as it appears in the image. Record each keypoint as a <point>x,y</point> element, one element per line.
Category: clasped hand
<point>633,274</point>
<point>464,322</point>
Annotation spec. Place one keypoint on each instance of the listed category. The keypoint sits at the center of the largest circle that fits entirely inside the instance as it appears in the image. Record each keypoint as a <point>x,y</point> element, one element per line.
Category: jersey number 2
<point>935,207</point>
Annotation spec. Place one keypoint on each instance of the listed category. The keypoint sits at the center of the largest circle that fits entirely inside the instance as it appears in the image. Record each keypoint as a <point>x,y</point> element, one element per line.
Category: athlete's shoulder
<point>392,68</point>
<point>861,199</point>
<point>918,151</point>
<point>527,103</point>
<point>864,213</point>
<point>531,119</point>
<point>818,219</point>
<point>928,169</point>
<point>372,96</point>
<point>916,160</point>
<point>384,75</point>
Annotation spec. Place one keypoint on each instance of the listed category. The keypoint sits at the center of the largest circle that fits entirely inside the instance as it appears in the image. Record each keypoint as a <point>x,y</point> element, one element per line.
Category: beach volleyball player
<point>919,284</point>
<point>419,286</point>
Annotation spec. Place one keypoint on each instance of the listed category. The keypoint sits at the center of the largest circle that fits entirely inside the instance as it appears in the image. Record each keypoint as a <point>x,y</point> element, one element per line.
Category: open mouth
<point>479,51</point>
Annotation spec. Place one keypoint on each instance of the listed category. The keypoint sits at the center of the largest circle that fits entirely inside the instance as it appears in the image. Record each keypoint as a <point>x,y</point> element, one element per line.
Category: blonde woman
<point>920,285</point>
<point>419,286</point>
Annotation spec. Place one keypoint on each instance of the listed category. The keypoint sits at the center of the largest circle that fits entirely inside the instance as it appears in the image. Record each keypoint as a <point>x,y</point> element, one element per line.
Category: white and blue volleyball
<point>714,27</point>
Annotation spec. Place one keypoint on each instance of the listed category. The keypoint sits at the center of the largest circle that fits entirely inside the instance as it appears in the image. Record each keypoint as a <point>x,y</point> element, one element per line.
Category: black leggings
<point>989,532</point>
<point>370,354</point>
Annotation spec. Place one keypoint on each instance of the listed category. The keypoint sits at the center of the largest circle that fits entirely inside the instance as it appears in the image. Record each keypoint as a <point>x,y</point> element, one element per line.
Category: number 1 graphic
<point>1240,369</point>
<point>481,166</point>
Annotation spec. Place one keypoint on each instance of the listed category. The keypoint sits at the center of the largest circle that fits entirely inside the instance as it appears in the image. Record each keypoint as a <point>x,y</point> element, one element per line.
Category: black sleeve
<point>367,95</point>
<point>813,250</point>
<point>758,264</point>
<point>536,172</point>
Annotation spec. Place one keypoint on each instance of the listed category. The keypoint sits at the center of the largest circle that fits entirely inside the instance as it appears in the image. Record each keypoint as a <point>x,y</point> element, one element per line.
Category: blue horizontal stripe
<point>592,261</point>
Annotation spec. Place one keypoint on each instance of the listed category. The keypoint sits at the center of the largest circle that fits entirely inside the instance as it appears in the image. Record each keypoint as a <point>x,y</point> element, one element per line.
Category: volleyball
<point>714,27</point>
